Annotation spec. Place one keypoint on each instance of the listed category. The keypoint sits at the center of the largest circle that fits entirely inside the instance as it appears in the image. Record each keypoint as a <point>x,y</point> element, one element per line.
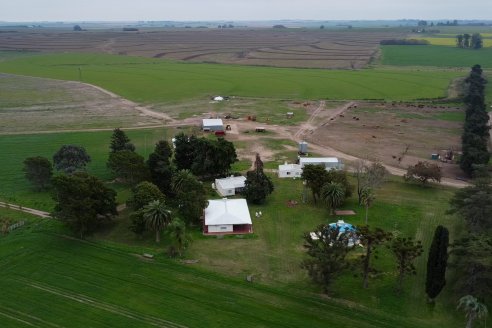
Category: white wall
<point>290,174</point>
<point>225,192</point>
<point>221,228</point>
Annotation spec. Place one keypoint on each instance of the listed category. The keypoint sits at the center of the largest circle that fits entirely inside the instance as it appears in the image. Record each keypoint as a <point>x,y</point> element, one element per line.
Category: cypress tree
<point>476,130</point>
<point>437,262</point>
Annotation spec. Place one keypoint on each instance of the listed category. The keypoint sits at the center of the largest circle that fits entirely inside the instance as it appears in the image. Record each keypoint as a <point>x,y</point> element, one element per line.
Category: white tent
<point>230,186</point>
<point>227,216</point>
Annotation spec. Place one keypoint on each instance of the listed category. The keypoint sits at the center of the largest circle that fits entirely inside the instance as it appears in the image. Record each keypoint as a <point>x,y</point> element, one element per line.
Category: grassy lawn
<point>273,253</point>
<point>156,81</point>
<point>16,148</point>
<point>440,56</point>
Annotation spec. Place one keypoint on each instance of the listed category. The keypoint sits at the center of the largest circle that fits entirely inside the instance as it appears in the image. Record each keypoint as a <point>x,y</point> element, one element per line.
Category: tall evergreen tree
<point>120,141</point>
<point>161,170</point>
<point>437,263</point>
<point>476,133</point>
<point>405,250</point>
<point>257,186</point>
<point>328,255</point>
<point>370,239</point>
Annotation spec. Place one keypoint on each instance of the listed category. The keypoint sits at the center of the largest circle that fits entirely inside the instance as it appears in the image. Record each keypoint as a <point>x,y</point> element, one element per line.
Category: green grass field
<point>16,148</point>
<point>272,255</point>
<point>439,56</point>
<point>50,278</point>
<point>155,81</point>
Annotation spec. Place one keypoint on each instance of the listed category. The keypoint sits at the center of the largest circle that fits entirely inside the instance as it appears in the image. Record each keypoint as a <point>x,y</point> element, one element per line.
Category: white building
<point>329,163</point>
<point>289,171</point>
<point>230,186</point>
<point>227,216</point>
<point>214,124</point>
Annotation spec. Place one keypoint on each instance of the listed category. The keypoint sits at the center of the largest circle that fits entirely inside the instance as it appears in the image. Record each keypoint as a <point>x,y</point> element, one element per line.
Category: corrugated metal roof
<point>227,211</point>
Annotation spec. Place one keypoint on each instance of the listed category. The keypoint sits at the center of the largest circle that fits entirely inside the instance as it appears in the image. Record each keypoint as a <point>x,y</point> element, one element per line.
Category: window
<point>223,228</point>
<point>288,173</point>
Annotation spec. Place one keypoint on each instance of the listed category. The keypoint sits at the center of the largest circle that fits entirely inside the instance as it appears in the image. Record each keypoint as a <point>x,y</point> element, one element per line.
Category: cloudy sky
<point>114,10</point>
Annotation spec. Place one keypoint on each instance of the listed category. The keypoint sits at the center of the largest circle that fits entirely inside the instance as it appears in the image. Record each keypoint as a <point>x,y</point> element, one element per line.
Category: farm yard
<point>394,104</point>
<point>396,134</point>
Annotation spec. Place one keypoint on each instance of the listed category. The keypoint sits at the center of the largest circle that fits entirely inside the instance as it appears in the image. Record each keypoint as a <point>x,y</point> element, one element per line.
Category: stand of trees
<point>468,41</point>
<point>476,133</point>
<point>204,157</point>
<point>316,177</point>
<point>83,202</point>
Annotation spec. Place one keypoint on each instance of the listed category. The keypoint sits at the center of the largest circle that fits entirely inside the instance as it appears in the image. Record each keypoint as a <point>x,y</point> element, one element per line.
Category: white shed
<point>289,171</point>
<point>214,124</point>
<point>230,186</point>
<point>227,216</point>
<point>329,163</point>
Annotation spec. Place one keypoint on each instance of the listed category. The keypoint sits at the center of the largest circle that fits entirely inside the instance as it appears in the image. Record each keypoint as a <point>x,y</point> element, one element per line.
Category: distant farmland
<point>156,80</point>
<point>440,56</point>
<point>282,48</point>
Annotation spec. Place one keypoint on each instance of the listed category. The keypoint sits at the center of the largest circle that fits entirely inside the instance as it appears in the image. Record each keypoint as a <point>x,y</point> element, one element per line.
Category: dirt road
<point>41,214</point>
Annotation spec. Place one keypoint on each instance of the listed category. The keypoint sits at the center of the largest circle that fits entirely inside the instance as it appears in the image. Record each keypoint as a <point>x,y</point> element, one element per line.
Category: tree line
<point>467,41</point>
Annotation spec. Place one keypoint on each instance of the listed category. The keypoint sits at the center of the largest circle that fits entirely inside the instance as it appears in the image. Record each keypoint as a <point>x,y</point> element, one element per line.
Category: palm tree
<point>473,309</point>
<point>179,237</point>
<point>157,217</point>
<point>367,198</point>
<point>333,194</point>
<point>180,179</point>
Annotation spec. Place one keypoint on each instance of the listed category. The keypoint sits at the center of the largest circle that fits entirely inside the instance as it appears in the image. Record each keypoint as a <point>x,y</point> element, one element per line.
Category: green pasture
<point>15,148</point>
<point>439,56</point>
<point>273,254</point>
<point>50,280</point>
<point>45,284</point>
<point>155,81</point>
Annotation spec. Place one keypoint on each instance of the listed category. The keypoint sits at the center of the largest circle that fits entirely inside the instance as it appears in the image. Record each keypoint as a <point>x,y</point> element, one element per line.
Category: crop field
<point>16,148</point>
<point>284,48</point>
<point>155,80</point>
<point>384,132</point>
<point>439,56</point>
<point>30,104</point>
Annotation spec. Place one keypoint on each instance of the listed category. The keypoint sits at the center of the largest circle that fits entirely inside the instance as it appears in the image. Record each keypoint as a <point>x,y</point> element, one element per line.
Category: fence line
<point>16,225</point>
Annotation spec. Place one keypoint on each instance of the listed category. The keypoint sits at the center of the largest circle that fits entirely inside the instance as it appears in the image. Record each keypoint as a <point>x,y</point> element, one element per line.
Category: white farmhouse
<point>289,171</point>
<point>227,216</point>
<point>213,124</point>
<point>230,186</point>
<point>330,163</point>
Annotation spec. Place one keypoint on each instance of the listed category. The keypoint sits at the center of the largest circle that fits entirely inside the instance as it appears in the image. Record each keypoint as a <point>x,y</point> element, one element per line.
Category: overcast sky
<point>177,10</point>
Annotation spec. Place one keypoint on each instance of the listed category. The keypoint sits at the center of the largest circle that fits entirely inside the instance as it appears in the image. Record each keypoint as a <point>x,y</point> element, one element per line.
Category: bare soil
<point>29,104</point>
<point>283,48</point>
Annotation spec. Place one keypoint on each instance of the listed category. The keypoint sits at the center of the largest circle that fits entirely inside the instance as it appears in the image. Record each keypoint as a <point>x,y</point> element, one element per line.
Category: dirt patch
<point>396,134</point>
<point>38,104</point>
